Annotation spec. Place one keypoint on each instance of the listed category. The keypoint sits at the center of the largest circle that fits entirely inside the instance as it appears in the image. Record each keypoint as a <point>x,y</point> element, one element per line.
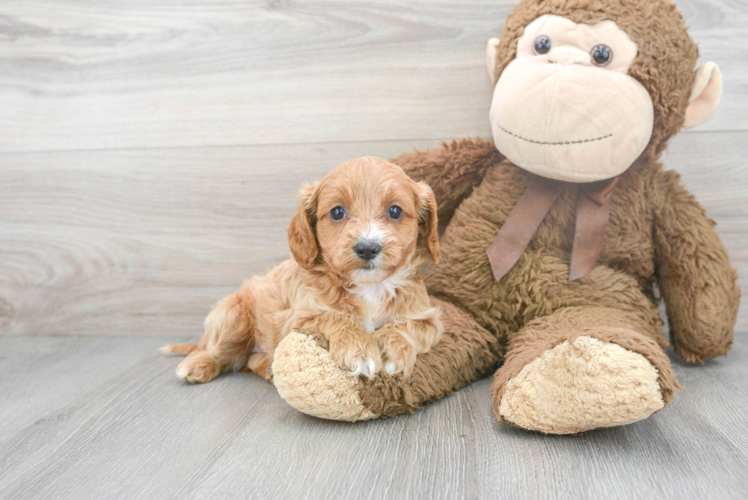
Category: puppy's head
<point>366,219</point>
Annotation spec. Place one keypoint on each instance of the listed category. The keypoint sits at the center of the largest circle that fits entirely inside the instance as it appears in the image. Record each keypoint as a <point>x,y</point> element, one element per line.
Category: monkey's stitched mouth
<point>552,143</point>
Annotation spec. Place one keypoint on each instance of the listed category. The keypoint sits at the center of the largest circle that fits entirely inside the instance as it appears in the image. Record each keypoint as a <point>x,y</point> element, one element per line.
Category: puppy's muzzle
<point>367,250</point>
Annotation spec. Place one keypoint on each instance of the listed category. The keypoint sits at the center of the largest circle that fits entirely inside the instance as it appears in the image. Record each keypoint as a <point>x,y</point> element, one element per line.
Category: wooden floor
<point>104,417</point>
<point>149,158</point>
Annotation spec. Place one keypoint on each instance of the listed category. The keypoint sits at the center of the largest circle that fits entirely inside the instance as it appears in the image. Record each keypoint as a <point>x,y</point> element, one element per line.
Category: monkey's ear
<point>301,237</point>
<point>706,93</point>
<point>491,48</point>
<point>428,219</point>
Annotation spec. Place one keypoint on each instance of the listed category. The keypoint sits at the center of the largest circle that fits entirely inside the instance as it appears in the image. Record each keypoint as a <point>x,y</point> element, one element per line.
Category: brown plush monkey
<point>588,92</point>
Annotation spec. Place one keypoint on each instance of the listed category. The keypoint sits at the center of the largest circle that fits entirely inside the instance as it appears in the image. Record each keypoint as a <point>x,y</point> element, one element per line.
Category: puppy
<point>359,243</point>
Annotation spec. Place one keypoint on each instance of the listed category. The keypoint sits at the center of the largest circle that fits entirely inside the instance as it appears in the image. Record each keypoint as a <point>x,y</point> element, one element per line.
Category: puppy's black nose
<point>367,250</point>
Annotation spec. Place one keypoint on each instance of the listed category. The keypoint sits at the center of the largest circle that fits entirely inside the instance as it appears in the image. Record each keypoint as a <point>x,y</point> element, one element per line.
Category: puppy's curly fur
<point>373,308</point>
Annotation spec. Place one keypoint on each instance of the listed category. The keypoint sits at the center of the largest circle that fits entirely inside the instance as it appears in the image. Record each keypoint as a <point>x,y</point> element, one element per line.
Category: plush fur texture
<point>307,378</point>
<point>603,327</point>
<point>372,311</point>
<point>566,325</point>
<point>318,383</point>
<point>657,234</point>
<point>581,384</point>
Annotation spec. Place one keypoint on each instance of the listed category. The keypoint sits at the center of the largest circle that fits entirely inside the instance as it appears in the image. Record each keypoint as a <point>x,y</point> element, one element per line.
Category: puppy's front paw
<point>198,368</point>
<point>358,354</point>
<point>399,354</point>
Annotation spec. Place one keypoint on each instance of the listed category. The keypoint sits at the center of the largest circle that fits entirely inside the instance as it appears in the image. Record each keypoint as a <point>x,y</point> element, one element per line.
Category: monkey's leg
<point>310,381</point>
<point>582,368</point>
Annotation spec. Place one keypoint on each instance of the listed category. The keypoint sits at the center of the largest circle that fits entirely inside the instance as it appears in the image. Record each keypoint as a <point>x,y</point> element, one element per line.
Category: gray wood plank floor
<point>105,417</point>
<point>149,157</point>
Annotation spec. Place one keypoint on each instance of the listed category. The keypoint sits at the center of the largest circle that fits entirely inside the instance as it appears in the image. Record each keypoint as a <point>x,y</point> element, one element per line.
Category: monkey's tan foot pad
<point>580,385</point>
<point>310,381</point>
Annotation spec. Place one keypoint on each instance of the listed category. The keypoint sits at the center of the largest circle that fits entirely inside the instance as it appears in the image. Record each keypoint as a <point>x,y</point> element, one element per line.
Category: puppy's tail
<point>183,349</point>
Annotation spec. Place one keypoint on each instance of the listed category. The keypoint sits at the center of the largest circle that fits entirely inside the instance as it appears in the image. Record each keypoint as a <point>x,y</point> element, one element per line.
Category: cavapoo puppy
<point>359,243</point>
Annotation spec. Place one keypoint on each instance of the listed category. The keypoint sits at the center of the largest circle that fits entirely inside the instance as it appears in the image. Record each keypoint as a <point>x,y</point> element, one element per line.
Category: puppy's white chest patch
<point>376,296</point>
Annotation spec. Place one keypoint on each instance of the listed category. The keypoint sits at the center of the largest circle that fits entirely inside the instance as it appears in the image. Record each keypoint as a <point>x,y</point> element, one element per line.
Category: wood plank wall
<point>150,151</point>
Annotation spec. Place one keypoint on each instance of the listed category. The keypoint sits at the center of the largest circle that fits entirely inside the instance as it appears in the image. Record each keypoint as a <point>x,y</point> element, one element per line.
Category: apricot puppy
<point>359,242</point>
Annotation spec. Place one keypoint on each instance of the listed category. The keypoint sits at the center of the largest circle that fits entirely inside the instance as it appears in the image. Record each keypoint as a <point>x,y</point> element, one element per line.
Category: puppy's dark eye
<point>395,212</point>
<point>337,213</point>
<point>542,45</point>
<point>601,55</point>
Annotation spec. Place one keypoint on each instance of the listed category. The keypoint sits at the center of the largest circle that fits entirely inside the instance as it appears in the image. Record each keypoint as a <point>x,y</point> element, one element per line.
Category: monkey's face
<point>566,107</point>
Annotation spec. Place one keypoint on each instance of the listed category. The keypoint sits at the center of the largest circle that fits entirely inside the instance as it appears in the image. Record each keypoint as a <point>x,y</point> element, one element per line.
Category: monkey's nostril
<point>367,250</point>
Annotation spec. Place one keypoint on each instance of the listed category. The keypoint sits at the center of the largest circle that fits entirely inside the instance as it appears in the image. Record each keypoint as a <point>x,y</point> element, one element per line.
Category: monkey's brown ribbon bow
<point>593,210</point>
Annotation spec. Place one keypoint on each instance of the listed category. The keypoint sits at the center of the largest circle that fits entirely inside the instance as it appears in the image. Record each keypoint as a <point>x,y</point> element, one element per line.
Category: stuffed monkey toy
<point>558,232</point>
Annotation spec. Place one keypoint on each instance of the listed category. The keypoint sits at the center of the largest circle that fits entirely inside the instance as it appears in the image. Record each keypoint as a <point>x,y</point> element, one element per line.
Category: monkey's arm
<point>696,278</point>
<point>452,171</point>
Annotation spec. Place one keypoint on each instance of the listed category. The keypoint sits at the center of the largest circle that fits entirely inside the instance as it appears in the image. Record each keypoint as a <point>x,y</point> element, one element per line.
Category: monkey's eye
<point>337,213</point>
<point>542,45</point>
<point>395,212</point>
<point>601,55</point>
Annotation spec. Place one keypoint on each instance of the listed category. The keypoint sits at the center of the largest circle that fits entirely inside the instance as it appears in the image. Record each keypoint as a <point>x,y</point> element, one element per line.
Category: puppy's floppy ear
<point>428,220</point>
<point>301,238</point>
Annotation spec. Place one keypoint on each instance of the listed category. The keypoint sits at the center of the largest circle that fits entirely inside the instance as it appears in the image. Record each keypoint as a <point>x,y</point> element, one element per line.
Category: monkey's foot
<point>580,384</point>
<point>309,379</point>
